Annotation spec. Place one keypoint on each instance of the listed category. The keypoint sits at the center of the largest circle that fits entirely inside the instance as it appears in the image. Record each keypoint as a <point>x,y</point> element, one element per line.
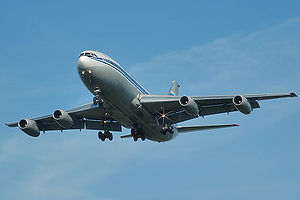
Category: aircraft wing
<point>207,105</point>
<point>88,116</point>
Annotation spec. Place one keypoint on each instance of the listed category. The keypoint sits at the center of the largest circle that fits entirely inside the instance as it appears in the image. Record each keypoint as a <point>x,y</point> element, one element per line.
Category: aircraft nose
<point>84,66</point>
<point>82,63</point>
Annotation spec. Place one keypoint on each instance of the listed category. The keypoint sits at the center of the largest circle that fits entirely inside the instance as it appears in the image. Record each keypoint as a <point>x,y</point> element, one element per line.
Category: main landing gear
<point>137,133</point>
<point>106,134</point>
<point>166,128</point>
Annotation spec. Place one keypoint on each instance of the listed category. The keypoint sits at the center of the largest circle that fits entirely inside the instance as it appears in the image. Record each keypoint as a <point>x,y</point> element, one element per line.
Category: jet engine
<point>63,119</point>
<point>189,105</point>
<point>242,104</point>
<point>29,127</point>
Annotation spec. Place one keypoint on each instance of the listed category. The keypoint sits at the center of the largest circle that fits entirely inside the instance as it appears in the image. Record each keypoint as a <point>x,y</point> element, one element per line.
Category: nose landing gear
<point>97,99</point>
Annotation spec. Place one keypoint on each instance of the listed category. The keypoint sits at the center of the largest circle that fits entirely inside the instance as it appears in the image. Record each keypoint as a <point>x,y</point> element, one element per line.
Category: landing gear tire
<point>110,136</point>
<point>95,100</point>
<point>101,136</point>
<point>136,134</point>
<point>171,130</point>
<point>166,129</point>
<point>163,131</point>
<point>106,134</point>
<point>132,132</point>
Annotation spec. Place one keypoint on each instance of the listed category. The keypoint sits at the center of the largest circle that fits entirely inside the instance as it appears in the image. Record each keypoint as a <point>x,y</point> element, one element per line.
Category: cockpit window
<point>88,54</point>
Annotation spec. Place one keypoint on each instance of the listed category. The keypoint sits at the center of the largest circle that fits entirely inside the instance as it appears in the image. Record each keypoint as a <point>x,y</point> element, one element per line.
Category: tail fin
<point>174,90</point>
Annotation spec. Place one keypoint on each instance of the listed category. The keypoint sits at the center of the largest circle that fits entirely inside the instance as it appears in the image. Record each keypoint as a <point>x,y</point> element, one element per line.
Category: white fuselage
<point>119,92</point>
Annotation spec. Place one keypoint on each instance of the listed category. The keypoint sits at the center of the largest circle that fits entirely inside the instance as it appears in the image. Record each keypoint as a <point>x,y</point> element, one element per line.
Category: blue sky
<point>209,47</point>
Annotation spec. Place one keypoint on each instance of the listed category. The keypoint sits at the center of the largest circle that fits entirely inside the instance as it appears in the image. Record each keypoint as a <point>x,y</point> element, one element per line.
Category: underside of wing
<point>175,111</point>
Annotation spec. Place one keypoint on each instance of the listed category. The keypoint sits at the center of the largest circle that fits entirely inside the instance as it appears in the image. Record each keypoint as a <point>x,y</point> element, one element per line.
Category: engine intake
<point>189,105</point>
<point>63,119</point>
<point>242,104</point>
<point>29,127</point>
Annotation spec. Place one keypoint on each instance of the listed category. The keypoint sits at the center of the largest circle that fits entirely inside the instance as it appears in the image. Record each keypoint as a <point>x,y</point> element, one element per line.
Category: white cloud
<point>241,62</point>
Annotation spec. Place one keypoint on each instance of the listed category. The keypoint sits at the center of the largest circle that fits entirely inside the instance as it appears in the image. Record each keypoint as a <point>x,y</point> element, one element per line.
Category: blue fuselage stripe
<point>123,72</point>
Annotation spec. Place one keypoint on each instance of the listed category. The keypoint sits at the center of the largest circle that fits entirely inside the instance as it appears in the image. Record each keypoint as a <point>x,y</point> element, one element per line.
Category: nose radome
<point>82,63</point>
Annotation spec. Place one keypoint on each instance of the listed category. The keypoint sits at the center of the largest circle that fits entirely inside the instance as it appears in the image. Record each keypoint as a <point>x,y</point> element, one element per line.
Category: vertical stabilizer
<point>174,90</point>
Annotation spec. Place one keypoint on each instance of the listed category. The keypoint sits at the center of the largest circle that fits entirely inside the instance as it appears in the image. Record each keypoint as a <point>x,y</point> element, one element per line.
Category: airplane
<point>120,101</point>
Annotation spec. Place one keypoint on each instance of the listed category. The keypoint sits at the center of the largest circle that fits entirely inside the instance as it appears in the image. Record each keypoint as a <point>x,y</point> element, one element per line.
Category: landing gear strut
<point>106,134</point>
<point>137,133</point>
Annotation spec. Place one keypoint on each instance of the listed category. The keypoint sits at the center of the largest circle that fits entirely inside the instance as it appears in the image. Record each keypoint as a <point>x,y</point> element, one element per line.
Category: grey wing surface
<point>88,116</point>
<point>207,105</point>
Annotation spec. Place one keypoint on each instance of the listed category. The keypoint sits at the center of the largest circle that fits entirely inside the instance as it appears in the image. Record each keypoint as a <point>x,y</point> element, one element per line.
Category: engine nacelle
<point>29,127</point>
<point>63,119</point>
<point>242,104</point>
<point>189,105</point>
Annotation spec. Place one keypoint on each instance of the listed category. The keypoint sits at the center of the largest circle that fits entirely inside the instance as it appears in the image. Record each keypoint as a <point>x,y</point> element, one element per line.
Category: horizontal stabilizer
<point>126,136</point>
<point>12,124</point>
<point>183,129</point>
